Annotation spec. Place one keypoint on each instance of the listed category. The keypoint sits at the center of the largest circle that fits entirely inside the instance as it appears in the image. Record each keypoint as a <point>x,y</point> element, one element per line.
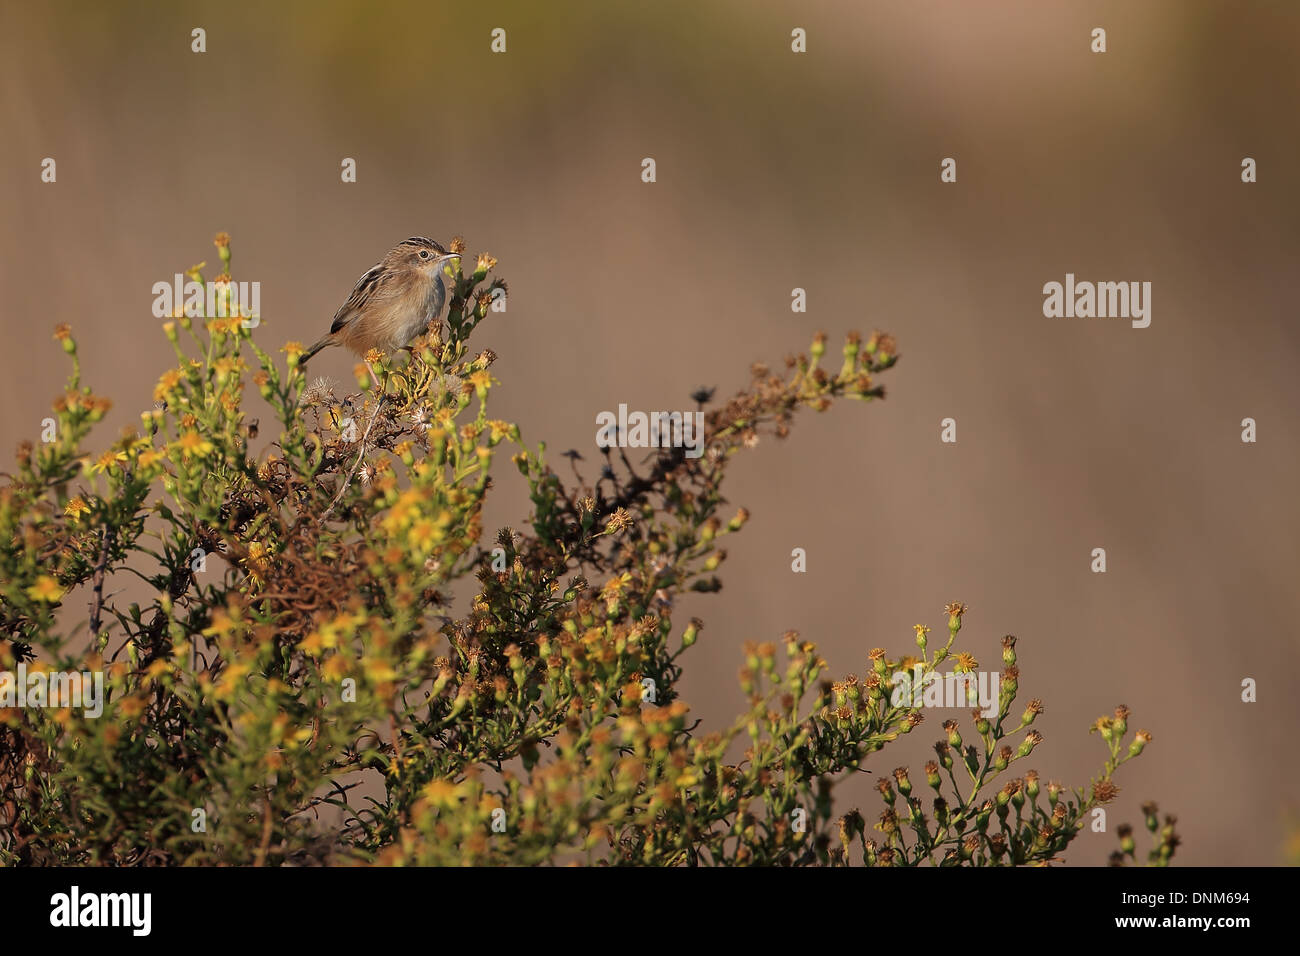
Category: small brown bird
<point>396,300</point>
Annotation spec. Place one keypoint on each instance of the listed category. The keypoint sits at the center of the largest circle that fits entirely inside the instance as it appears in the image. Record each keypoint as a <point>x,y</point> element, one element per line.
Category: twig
<point>106,535</point>
<point>260,858</point>
<point>360,458</point>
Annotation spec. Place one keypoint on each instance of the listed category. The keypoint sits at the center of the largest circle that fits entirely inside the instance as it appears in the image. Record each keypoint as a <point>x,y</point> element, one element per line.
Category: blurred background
<point>775,170</point>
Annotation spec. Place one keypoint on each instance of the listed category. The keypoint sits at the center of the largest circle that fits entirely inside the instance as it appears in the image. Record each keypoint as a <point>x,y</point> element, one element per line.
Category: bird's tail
<point>323,343</point>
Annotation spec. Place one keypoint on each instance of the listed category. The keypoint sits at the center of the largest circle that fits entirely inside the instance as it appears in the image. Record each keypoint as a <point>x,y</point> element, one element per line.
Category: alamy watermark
<point>39,688</point>
<point>219,300</point>
<point>1101,300</point>
<point>651,430</point>
<point>74,909</point>
<point>957,689</point>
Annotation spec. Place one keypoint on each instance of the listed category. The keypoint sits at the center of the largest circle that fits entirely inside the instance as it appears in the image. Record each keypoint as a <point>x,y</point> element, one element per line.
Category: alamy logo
<point>133,910</point>
<point>957,689</point>
<point>651,430</point>
<point>53,689</point>
<point>1101,300</point>
<point>218,300</point>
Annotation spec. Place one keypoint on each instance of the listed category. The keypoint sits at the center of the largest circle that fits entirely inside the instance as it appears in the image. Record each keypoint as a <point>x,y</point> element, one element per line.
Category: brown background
<point>776,170</point>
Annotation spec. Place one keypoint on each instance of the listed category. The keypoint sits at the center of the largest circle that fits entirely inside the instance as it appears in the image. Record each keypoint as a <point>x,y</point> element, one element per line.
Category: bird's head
<point>421,255</point>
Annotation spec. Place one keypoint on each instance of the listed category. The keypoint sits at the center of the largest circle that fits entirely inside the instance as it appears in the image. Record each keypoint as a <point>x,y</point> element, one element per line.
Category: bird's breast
<point>426,310</point>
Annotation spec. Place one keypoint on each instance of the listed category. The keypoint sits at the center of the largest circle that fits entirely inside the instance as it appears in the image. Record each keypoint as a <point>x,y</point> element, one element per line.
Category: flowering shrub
<point>291,685</point>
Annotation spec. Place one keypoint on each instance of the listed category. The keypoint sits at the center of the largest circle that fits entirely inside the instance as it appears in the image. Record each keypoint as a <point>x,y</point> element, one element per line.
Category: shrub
<point>293,687</point>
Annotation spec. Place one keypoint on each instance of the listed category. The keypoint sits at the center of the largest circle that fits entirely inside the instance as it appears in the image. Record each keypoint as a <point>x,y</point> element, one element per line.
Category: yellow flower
<point>192,443</point>
<point>258,561</point>
<point>423,534</point>
<point>616,585</point>
<point>107,460</point>
<point>76,508</point>
<point>404,509</point>
<point>225,365</point>
<point>336,668</point>
<point>378,671</point>
<point>231,678</point>
<point>157,669</point>
<point>442,793</point>
<point>222,624</point>
<point>45,589</point>
<point>230,324</point>
<point>169,380</point>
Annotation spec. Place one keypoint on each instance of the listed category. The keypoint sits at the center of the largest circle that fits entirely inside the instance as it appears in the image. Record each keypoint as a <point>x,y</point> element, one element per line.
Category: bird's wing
<point>375,284</point>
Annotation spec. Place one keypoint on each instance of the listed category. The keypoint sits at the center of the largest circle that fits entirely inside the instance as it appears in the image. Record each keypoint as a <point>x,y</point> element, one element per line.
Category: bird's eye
<point>424,253</point>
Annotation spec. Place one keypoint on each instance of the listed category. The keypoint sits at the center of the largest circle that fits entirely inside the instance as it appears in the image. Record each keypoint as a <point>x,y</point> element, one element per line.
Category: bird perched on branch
<point>396,300</point>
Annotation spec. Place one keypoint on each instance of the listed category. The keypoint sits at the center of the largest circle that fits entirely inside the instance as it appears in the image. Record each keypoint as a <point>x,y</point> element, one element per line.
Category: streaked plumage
<point>393,302</point>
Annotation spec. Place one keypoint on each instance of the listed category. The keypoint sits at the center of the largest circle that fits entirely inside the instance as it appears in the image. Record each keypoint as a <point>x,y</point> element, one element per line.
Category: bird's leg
<point>374,376</point>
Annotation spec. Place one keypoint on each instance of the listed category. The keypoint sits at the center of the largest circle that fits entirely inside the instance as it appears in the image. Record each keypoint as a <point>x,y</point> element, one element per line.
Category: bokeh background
<point>776,171</point>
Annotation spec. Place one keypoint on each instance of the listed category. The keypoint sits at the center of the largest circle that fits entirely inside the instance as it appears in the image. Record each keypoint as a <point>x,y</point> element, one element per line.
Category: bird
<point>393,302</point>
